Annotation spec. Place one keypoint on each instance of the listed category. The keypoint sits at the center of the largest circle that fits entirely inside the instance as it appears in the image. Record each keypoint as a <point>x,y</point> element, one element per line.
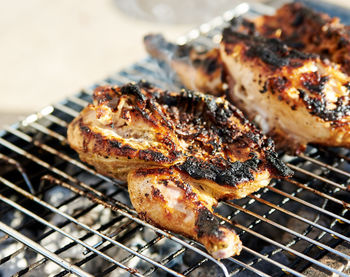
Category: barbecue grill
<point>58,216</point>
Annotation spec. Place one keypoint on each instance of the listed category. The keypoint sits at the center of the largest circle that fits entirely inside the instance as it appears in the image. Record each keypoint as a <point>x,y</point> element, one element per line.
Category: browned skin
<point>272,82</point>
<point>200,70</point>
<point>172,200</point>
<point>205,141</point>
<point>298,97</point>
<point>309,31</point>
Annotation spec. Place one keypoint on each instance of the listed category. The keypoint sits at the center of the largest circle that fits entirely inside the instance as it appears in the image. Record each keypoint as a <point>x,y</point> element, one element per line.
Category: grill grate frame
<point>36,160</point>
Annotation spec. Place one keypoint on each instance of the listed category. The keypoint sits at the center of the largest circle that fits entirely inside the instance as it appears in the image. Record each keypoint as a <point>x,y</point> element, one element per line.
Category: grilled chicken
<point>295,97</point>
<point>172,200</point>
<point>202,144</point>
<point>309,31</point>
<point>298,97</point>
<point>197,69</point>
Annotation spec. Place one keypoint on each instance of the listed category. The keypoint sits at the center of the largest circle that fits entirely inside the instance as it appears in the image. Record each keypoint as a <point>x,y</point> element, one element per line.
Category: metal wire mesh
<point>53,204</point>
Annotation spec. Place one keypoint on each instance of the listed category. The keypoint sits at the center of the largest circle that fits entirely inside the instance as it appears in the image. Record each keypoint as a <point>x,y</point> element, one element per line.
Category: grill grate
<point>59,216</point>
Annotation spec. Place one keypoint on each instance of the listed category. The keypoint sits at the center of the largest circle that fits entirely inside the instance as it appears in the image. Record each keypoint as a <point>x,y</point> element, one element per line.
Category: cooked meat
<point>299,97</point>
<point>273,82</point>
<point>197,69</point>
<point>138,125</point>
<point>167,198</point>
<point>309,31</point>
<point>204,141</point>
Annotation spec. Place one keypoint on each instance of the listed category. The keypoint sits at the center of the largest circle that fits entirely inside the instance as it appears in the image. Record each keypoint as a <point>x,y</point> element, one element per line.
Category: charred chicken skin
<point>296,97</point>
<point>180,152</point>
<point>172,200</point>
<point>299,98</point>
<point>309,31</point>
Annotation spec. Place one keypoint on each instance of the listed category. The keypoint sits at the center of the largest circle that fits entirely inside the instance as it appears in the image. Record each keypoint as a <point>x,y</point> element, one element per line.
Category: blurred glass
<point>175,11</point>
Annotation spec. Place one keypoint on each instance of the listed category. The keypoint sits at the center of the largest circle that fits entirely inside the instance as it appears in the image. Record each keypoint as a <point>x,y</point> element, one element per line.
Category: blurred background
<point>51,49</point>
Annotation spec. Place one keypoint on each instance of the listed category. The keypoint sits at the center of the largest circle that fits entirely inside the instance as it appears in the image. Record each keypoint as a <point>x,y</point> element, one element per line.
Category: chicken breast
<point>297,97</point>
<point>169,199</point>
<point>202,144</point>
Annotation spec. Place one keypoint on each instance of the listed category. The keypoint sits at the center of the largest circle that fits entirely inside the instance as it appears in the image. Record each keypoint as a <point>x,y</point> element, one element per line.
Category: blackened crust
<point>132,89</point>
<point>229,174</point>
<point>310,31</point>
<point>213,133</point>
<point>318,106</point>
<point>207,224</point>
<point>271,51</point>
<point>281,167</point>
<point>311,85</point>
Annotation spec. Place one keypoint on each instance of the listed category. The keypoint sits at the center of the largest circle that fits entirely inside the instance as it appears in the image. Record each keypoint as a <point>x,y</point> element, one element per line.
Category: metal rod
<point>48,166</point>
<point>66,109</point>
<point>48,132</point>
<point>329,231</point>
<point>88,258</point>
<point>301,155</point>
<point>269,212</point>
<point>281,246</point>
<point>20,170</point>
<point>72,219</point>
<point>257,271</point>
<point>291,250</point>
<point>319,193</point>
<point>279,226</point>
<point>113,234</point>
<point>341,156</point>
<point>143,248</point>
<point>78,101</point>
<point>71,244</point>
<point>56,120</point>
<point>59,154</point>
<point>165,260</point>
<point>48,224</point>
<point>43,251</point>
<point>295,168</point>
<point>282,266</point>
<point>305,203</point>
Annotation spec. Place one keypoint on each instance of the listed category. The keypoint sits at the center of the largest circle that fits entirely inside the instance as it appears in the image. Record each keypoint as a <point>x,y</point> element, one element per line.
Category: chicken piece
<point>298,97</point>
<point>197,69</point>
<point>201,144</point>
<point>137,126</point>
<point>309,31</point>
<point>169,199</point>
<point>312,91</point>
